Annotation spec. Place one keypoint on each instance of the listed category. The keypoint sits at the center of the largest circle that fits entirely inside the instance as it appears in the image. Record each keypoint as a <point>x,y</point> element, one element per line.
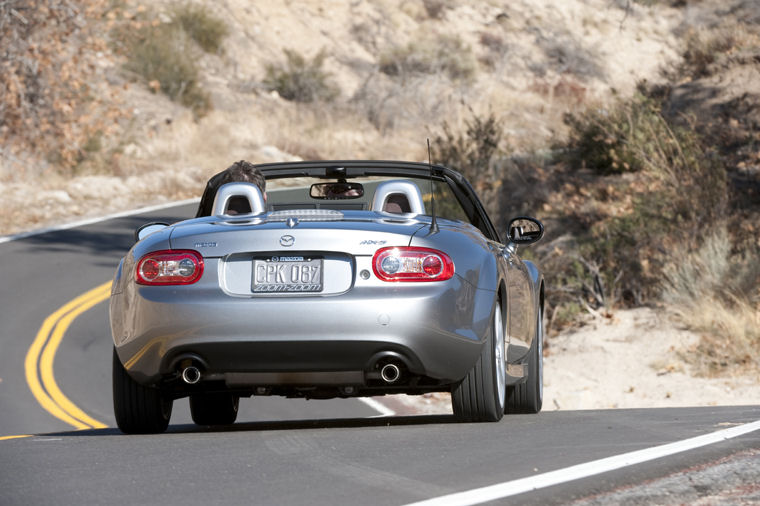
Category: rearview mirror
<point>336,190</point>
<point>525,230</point>
<point>147,229</point>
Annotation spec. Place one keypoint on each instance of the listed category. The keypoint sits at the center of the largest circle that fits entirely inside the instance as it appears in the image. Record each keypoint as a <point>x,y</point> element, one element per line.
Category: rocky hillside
<point>88,112</point>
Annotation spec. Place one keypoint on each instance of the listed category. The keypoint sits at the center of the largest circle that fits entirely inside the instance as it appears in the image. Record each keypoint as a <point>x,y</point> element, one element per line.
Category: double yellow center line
<point>41,355</point>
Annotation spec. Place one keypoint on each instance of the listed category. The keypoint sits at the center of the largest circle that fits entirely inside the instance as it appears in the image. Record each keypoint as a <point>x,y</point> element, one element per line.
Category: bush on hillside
<point>165,55</point>
<point>472,150</point>
<point>299,79</point>
<point>436,9</point>
<point>624,230</point>
<point>442,54</point>
<point>681,192</point>
<point>610,140</point>
<point>202,26</point>
<point>716,291</point>
<point>476,153</point>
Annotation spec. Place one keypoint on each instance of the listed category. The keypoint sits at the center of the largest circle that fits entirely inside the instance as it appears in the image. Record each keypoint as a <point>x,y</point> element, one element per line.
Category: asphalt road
<point>282,451</point>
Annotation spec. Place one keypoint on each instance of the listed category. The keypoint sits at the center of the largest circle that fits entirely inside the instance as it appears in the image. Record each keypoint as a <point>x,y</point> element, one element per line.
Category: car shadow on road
<point>337,423</point>
<point>113,238</point>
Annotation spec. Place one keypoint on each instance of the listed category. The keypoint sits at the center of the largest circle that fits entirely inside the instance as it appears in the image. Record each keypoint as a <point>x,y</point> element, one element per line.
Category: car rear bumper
<point>434,329</point>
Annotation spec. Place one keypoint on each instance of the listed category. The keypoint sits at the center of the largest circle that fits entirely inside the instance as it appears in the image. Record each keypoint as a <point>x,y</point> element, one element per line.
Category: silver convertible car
<point>351,278</point>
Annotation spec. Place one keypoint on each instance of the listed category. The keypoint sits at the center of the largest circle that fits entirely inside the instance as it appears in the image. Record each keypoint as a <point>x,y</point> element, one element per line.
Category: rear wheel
<point>528,396</point>
<point>138,409</point>
<point>479,397</point>
<point>214,409</point>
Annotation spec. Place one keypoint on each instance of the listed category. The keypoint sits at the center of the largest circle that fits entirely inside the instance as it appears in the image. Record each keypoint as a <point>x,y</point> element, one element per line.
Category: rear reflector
<point>406,263</point>
<point>169,267</point>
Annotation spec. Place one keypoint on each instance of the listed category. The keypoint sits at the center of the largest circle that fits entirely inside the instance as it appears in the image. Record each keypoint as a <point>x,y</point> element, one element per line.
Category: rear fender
<point>474,257</point>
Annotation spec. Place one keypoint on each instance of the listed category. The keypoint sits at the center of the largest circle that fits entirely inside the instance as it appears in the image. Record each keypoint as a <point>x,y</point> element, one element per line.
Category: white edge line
<point>511,488</point>
<point>377,406</point>
<point>90,221</point>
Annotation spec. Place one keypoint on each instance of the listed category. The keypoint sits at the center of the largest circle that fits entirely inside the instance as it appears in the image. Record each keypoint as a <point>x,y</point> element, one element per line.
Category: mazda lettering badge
<point>287,240</point>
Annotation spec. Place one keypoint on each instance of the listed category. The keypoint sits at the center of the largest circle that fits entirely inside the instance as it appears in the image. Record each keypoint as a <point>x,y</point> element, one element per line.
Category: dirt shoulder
<point>636,359</point>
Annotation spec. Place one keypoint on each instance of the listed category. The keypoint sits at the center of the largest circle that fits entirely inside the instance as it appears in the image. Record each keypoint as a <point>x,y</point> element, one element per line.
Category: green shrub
<point>299,79</point>
<point>679,189</point>
<point>435,9</point>
<point>94,142</point>
<point>443,54</point>
<point>608,140</point>
<point>164,54</point>
<point>471,151</point>
<point>202,26</point>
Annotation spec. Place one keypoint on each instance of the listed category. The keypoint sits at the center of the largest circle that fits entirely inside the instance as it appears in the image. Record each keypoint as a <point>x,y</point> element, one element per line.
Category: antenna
<point>433,221</point>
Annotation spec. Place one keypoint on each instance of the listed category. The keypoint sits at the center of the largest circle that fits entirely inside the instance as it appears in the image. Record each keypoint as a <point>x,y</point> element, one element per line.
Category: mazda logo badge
<point>287,240</point>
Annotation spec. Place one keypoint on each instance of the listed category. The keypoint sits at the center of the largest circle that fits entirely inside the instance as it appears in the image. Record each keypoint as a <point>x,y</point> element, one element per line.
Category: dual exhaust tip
<point>390,373</point>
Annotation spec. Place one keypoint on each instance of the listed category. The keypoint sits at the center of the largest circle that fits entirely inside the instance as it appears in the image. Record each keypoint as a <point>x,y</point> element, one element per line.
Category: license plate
<point>287,274</point>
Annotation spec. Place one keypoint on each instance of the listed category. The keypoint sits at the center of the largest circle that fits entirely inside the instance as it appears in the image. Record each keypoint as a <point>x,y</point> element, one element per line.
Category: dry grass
<point>717,294</point>
<point>302,130</point>
<point>707,52</point>
<point>730,339</point>
<point>430,54</point>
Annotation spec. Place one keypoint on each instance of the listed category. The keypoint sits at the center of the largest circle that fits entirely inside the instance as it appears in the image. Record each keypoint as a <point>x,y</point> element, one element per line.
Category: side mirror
<point>147,229</point>
<point>525,230</point>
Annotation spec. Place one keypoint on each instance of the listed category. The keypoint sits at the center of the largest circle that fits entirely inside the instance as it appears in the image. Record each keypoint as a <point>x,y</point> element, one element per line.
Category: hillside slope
<point>83,135</point>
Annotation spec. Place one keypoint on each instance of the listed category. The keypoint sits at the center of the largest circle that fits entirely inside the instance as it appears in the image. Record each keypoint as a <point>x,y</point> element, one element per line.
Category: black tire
<point>477,398</point>
<point>214,409</point>
<point>138,409</point>
<point>528,396</point>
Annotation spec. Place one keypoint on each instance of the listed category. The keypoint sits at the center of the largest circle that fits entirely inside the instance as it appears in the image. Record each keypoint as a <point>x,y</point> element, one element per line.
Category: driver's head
<point>238,172</point>
<point>244,172</point>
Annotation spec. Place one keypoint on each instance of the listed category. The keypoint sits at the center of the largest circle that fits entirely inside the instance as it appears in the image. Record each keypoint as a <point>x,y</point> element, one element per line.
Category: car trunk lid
<point>293,253</point>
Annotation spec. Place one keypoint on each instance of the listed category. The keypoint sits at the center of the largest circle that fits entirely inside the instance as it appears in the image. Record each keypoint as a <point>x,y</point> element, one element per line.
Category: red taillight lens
<point>169,267</point>
<point>412,264</point>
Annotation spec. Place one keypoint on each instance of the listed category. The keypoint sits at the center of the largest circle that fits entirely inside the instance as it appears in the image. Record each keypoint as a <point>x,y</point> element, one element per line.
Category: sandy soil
<point>632,360</point>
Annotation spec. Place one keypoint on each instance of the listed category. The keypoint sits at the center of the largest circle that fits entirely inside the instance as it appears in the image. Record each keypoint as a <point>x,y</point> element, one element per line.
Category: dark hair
<point>244,172</point>
<point>238,172</point>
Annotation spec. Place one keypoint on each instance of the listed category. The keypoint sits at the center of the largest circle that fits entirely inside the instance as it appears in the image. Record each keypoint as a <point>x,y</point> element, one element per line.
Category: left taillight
<point>407,263</point>
<point>169,267</point>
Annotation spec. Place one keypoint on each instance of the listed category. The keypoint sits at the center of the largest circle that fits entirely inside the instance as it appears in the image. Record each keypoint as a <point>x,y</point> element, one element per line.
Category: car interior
<point>395,197</point>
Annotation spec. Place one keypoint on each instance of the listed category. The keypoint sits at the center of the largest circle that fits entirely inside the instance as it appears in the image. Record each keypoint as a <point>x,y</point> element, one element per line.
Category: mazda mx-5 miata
<point>351,278</point>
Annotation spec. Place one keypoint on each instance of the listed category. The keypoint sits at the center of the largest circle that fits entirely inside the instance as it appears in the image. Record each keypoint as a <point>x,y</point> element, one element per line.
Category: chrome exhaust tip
<point>390,373</point>
<point>191,375</point>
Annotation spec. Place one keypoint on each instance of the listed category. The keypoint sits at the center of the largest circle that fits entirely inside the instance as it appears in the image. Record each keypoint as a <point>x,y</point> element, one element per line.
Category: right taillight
<point>169,267</point>
<point>407,263</point>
